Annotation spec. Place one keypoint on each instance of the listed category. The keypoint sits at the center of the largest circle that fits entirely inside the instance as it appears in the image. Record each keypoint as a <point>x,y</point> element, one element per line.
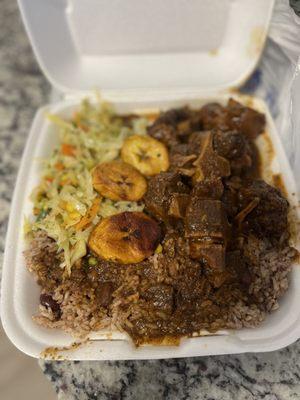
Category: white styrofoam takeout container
<point>173,57</point>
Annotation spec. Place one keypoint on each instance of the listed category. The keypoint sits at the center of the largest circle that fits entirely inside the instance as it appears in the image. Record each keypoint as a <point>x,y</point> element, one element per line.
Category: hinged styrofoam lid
<point>115,45</point>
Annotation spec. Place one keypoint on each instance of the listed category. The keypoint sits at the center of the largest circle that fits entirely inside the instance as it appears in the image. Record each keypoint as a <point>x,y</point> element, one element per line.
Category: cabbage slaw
<point>66,206</point>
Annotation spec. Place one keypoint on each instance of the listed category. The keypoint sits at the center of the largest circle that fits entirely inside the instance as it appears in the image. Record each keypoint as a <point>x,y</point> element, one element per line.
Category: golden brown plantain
<point>146,154</point>
<point>117,180</point>
<point>126,238</point>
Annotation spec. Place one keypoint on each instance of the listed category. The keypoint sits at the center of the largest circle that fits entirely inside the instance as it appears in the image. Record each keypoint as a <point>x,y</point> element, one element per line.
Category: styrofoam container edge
<point>20,293</point>
<point>118,47</point>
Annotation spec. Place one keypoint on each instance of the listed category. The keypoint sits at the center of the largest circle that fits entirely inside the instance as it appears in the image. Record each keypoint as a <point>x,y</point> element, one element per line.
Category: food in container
<point>140,74</point>
<point>159,229</point>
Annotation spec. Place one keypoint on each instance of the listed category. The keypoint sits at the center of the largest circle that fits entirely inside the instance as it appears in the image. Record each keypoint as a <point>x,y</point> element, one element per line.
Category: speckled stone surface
<point>22,90</point>
<point>270,376</point>
<point>273,376</point>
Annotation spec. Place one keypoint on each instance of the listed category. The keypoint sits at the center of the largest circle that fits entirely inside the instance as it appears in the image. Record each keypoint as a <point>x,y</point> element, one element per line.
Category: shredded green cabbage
<point>95,134</point>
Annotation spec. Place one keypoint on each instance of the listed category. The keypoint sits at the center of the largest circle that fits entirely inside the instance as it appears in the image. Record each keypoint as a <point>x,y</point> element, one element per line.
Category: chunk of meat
<point>160,189</point>
<point>181,159</point>
<point>234,116</point>
<point>240,217</point>
<point>212,115</point>
<point>208,189</point>
<point>174,116</point>
<point>165,133</point>
<point>244,119</point>
<point>174,126</point>
<point>217,278</point>
<point>178,161</point>
<point>195,141</point>
<point>233,183</point>
<point>184,129</point>
<point>236,263</point>
<point>181,149</point>
<point>236,148</point>
<point>230,195</point>
<point>241,165</point>
<point>229,144</point>
<point>230,201</point>
<point>160,297</point>
<point>206,218</point>
<point>213,254</point>
<point>178,205</point>
<point>209,164</point>
<point>269,217</point>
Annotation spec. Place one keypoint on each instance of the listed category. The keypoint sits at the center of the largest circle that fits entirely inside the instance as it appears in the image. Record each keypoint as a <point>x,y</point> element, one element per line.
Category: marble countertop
<point>269,376</point>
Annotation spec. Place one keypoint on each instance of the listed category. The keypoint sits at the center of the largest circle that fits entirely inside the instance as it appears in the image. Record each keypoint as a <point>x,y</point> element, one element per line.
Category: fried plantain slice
<point>146,154</point>
<point>126,238</point>
<point>117,180</point>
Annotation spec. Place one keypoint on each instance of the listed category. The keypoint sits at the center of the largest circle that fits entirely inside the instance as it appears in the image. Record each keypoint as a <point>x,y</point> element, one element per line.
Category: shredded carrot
<point>68,149</point>
<point>87,219</point>
<point>59,166</point>
<point>82,126</point>
<point>65,182</point>
<point>49,179</point>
